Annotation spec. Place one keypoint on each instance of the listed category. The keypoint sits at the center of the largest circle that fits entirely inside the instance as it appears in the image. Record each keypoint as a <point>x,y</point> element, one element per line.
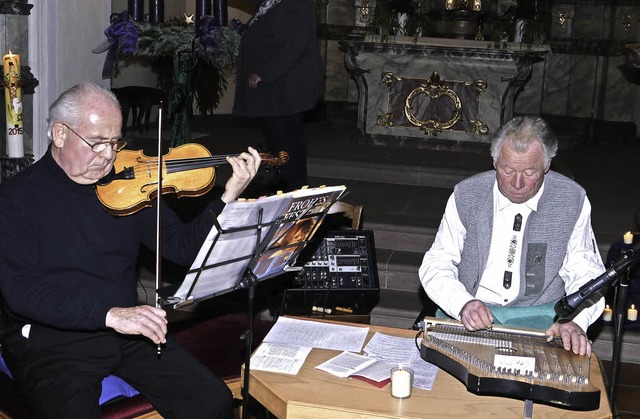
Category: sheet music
<point>240,244</point>
<point>399,350</point>
<point>300,221</point>
<point>317,335</point>
<point>226,255</point>
<point>275,357</point>
<point>391,348</point>
<point>347,363</point>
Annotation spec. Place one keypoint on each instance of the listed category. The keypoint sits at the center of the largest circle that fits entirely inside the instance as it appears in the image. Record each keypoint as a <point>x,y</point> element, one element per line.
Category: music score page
<point>288,343</point>
<point>317,335</point>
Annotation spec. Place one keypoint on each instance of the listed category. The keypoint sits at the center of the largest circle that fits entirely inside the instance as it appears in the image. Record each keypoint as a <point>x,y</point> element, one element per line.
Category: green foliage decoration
<point>212,55</point>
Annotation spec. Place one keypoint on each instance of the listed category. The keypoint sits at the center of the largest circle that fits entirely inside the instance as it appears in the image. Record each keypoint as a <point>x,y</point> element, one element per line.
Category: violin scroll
<point>271,160</point>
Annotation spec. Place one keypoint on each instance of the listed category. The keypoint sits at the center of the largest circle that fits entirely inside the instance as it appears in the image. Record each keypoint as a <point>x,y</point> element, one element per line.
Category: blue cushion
<point>112,386</point>
<point>3,367</point>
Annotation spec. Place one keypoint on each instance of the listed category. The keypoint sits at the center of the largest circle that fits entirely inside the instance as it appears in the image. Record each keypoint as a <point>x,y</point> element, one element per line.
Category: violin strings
<point>180,164</point>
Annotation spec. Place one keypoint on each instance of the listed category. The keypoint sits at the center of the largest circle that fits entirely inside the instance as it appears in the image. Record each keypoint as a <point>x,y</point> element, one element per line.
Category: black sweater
<point>65,261</point>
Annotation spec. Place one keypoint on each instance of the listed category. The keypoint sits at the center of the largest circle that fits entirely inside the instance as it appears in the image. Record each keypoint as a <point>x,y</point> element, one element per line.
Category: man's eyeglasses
<point>116,145</point>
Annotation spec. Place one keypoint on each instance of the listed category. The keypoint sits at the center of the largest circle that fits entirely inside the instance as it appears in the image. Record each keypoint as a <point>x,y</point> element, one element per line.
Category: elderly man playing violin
<point>68,275</point>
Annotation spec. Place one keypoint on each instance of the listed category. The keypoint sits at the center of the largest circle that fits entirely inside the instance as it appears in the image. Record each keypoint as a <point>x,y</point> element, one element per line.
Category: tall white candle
<point>13,104</point>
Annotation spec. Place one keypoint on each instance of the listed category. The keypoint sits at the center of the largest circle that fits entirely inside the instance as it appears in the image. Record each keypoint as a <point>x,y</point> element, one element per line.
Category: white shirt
<point>506,248</point>
<point>439,273</point>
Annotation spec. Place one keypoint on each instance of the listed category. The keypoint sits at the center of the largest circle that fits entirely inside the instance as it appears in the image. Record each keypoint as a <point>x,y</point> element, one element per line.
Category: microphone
<point>567,305</point>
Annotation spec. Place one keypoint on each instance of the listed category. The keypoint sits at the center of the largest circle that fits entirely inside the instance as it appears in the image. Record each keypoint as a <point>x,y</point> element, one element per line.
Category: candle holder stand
<point>10,166</point>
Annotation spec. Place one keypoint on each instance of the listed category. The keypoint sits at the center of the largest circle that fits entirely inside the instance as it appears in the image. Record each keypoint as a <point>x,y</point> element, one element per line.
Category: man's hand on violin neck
<point>139,320</point>
<point>245,166</point>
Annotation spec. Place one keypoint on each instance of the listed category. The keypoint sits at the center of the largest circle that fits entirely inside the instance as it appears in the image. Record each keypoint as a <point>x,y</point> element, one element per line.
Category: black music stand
<point>260,239</point>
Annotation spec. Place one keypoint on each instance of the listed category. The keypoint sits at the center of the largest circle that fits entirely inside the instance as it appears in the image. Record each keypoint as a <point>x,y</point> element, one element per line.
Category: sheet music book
<point>299,223</point>
<point>264,235</point>
<point>349,365</point>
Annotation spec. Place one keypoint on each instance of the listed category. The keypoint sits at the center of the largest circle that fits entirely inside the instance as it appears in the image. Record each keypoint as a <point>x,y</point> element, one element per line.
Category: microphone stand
<point>619,306</point>
<point>617,273</point>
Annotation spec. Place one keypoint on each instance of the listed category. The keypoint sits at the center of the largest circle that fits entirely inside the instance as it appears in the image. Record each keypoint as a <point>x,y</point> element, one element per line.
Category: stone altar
<point>435,88</point>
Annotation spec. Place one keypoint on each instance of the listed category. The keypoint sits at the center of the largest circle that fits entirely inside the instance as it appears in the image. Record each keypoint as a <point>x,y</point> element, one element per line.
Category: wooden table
<point>316,394</point>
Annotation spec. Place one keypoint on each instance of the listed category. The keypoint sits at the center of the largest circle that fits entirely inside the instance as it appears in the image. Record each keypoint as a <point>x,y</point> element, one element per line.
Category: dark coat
<point>282,48</point>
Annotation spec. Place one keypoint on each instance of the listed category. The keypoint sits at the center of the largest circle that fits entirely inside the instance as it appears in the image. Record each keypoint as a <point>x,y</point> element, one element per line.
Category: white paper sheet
<point>275,357</point>
<point>317,335</point>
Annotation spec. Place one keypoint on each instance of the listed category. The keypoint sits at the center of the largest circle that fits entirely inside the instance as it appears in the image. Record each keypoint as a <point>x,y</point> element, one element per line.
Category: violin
<point>187,170</point>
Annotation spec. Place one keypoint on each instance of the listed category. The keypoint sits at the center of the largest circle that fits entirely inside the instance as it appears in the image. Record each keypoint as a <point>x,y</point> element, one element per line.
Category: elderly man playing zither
<point>513,242</point>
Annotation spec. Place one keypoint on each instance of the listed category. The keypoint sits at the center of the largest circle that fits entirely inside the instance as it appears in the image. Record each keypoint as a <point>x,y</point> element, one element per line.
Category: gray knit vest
<point>545,238</point>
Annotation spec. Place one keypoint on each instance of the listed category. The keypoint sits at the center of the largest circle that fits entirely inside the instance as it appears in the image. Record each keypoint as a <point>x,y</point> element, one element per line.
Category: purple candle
<point>203,8</point>
<point>156,11</point>
<point>221,12</point>
<point>135,9</point>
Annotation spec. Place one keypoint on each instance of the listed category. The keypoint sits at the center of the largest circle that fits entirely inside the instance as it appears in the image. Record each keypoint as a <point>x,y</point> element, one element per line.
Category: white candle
<point>628,238</point>
<point>401,381</point>
<point>632,313</point>
<point>607,314</point>
<point>13,104</point>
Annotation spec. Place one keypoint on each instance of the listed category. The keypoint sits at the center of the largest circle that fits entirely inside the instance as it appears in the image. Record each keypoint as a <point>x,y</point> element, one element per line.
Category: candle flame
<point>606,307</point>
<point>633,306</point>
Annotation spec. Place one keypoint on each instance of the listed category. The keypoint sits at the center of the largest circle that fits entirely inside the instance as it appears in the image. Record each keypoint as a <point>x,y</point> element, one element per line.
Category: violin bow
<point>159,219</point>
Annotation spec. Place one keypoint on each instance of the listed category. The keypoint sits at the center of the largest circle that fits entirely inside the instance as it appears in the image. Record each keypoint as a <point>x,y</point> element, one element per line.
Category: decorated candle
<point>13,105</point>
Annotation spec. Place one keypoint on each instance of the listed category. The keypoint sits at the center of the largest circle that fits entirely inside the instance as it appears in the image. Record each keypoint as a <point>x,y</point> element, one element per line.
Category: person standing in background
<point>279,77</point>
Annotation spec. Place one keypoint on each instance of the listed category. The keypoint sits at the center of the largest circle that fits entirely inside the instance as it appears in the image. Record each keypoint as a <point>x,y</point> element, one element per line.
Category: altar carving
<point>460,90</point>
<point>433,105</point>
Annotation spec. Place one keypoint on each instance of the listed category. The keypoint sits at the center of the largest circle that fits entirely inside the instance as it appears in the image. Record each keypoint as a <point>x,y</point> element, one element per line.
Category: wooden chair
<point>350,211</point>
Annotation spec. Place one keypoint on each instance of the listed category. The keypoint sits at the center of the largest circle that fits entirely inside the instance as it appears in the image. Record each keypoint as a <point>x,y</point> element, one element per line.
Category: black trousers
<point>286,133</point>
<point>60,374</point>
